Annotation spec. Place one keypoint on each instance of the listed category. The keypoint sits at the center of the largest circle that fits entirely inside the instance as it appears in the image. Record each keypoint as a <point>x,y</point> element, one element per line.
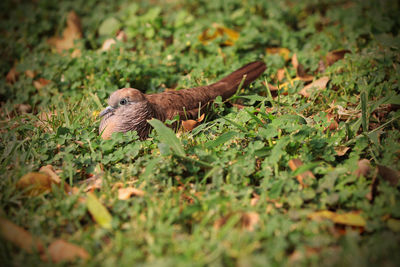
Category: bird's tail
<point>228,86</point>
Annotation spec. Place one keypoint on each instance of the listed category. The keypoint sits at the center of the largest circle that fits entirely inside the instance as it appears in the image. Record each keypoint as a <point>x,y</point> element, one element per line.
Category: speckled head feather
<point>129,94</point>
<point>129,109</point>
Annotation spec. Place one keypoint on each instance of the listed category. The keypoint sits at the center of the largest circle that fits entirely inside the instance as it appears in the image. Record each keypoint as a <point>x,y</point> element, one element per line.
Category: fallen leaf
<point>294,164</point>
<point>238,106</point>
<point>341,150</point>
<point>247,221</point>
<point>121,37</point>
<point>334,124</point>
<point>280,74</point>
<point>300,71</point>
<point>35,183</point>
<point>48,169</point>
<point>189,125</point>
<point>19,236</point>
<point>232,36</point>
<point>283,52</point>
<point>96,179</point>
<point>99,213</point>
<point>44,119</point>
<point>389,175</point>
<point>40,182</point>
<point>319,84</point>
<point>254,201</point>
<point>93,184</point>
<point>60,250</point>
<point>23,108</point>
<point>40,83</point>
<point>126,193</point>
<point>335,55</point>
<point>350,218</point>
<point>364,167</point>
<point>71,33</point>
<point>272,87</point>
<point>30,73</point>
<point>108,44</point>
<point>12,75</point>
<point>321,66</point>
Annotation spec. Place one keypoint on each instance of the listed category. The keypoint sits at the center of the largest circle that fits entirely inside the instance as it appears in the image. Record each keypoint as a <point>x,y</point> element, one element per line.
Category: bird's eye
<point>123,101</point>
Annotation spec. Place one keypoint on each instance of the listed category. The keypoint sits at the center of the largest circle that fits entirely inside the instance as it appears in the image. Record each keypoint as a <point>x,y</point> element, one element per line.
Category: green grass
<point>214,171</point>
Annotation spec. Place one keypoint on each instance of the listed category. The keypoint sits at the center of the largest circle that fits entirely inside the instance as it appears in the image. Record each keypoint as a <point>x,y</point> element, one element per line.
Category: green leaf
<point>364,119</point>
<point>276,189</point>
<point>221,139</point>
<point>268,131</point>
<point>98,211</point>
<point>109,27</point>
<point>168,137</point>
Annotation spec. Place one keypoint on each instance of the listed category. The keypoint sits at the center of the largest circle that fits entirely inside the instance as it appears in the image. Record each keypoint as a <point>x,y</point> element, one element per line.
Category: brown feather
<point>167,105</point>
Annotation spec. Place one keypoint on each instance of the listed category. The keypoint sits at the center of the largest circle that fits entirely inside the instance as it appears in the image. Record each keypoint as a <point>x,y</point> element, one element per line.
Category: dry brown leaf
<point>23,108</point>
<point>30,73</point>
<point>201,118</point>
<point>61,251</point>
<point>319,84</point>
<point>189,125</point>
<point>108,44</point>
<point>238,106</point>
<point>364,167</point>
<point>349,218</point>
<point>47,116</point>
<point>389,175</point>
<point>232,35</point>
<point>283,52</point>
<point>272,87</point>
<point>111,41</point>
<point>300,71</point>
<point>126,193</point>
<point>19,236</point>
<point>12,75</point>
<point>335,55</point>
<point>341,150</point>
<point>321,66</point>
<point>35,183</point>
<point>71,33</point>
<point>294,164</point>
<point>93,184</point>
<point>280,74</point>
<point>40,83</point>
<point>373,188</point>
<point>247,221</point>
<point>96,179</point>
<point>48,169</point>
<point>254,200</point>
<point>334,124</point>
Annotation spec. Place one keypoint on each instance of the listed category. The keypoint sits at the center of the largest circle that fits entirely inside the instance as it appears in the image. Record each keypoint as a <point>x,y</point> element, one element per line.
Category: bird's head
<point>128,110</point>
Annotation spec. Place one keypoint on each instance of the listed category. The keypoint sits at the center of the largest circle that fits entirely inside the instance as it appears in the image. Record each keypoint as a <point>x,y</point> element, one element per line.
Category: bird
<point>129,109</point>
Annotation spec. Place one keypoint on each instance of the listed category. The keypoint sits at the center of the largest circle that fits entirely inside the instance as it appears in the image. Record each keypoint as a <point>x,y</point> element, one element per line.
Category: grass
<point>223,193</point>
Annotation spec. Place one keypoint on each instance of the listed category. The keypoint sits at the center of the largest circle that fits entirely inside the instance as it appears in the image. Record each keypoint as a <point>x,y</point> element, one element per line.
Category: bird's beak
<point>106,111</point>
